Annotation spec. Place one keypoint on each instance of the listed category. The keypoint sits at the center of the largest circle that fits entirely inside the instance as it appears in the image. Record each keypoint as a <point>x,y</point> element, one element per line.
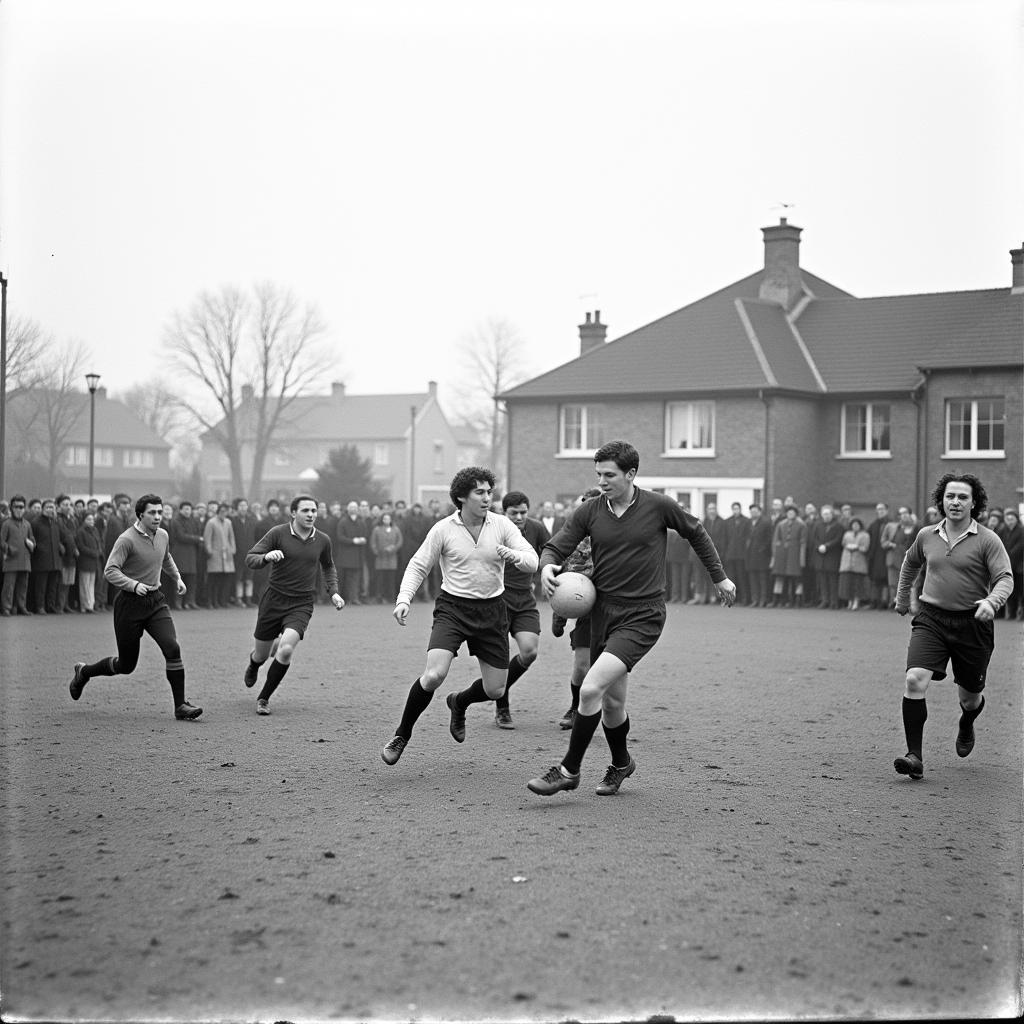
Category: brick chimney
<point>247,393</point>
<point>1017,259</point>
<point>592,333</point>
<point>337,389</point>
<point>432,389</point>
<point>782,282</point>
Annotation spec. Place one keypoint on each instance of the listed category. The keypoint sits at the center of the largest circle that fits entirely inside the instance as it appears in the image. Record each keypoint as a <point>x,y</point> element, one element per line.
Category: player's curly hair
<point>978,492</point>
<point>622,453</point>
<point>465,480</point>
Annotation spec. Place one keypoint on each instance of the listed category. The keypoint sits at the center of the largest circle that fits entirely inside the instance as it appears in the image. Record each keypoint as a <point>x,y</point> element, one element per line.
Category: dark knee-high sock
<point>968,715</point>
<point>103,667</point>
<point>616,737</point>
<point>515,669</point>
<point>574,696</point>
<point>473,694</point>
<point>415,704</point>
<point>915,713</point>
<point>274,676</point>
<point>583,729</point>
<point>176,677</point>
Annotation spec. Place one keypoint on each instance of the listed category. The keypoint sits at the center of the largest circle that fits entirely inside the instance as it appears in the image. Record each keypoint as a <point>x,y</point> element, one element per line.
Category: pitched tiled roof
<point>353,417</point>
<point>733,341</point>
<point>877,344</point>
<point>116,425</point>
<point>702,347</point>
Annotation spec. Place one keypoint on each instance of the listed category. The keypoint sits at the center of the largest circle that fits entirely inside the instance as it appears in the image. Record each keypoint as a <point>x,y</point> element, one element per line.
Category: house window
<point>381,454</point>
<point>438,457</point>
<point>690,428</point>
<point>975,426</point>
<point>865,428</point>
<point>138,458</point>
<point>579,429</point>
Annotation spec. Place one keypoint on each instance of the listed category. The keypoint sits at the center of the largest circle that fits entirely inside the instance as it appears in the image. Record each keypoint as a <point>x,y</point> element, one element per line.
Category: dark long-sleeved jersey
<point>629,550</point>
<point>295,574</point>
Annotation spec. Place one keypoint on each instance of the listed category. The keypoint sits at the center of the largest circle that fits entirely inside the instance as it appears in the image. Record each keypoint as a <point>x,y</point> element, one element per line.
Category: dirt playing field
<point>764,861</point>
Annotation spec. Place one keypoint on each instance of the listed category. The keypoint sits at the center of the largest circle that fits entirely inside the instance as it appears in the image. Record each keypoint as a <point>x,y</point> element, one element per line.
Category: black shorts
<point>579,635</point>
<point>938,637</point>
<point>523,616</point>
<point>481,624</point>
<point>135,613</point>
<point>278,612</point>
<point>627,630</point>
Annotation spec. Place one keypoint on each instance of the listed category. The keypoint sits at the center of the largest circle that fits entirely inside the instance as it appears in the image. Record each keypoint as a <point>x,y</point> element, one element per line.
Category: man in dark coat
<point>119,521</point>
<point>759,557</point>
<point>736,533</point>
<point>46,561</point>
<point>352,540</point>
<point>186,536</point>
<point>826,550</point>
<point>878,573</point>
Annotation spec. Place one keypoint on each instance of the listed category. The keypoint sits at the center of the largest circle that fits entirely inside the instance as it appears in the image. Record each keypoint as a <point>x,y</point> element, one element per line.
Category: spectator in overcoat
<point>46,561</point>
<point>878,573</point>
<point>788,554</point>
<point>90,554</point>
<point>16,545</point>
<point>352,541</point>
<point>186,541</point>
<point>219,545</point>
<point>827,540</point>
<point>854,585</point>
<point>385,543</point>
<point>244,525</point>
<point>736,531</point>
<point>759,557</point>
<point>68,551</point>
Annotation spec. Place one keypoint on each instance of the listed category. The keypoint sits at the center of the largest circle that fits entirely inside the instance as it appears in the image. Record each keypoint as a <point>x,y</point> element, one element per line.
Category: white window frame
<point>381,453</point>
<point>138,458</point>
<point>438,452</point>
<point>864,453</point>
<point>587,412</point>
<point>974,452</point>
<point>690,411</point>
<point>78,455</point>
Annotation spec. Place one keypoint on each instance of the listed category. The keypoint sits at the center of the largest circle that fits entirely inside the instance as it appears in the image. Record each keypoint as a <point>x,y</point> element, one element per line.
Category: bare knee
<point>432,678</point>
<point>917,682</point>
<point>285,652</point>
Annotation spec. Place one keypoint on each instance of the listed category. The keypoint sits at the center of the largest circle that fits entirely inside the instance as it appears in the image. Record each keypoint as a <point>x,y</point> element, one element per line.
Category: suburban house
<point>413,450</point>
<point>782,384</point>
<point>45,427</point>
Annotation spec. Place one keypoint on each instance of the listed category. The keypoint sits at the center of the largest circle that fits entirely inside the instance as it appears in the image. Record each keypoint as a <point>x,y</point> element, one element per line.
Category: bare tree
<point>46,407</point>
<point>27,345</point>
<point>253,356</point>
<point>492,360</point>
<point>162,410</point>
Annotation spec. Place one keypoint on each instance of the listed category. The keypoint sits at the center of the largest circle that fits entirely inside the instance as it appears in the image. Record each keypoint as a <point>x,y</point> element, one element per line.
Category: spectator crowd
<point>788,556</point>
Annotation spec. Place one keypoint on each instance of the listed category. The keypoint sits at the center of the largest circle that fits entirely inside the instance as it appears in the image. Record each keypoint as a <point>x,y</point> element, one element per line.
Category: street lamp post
<point>92,379</point>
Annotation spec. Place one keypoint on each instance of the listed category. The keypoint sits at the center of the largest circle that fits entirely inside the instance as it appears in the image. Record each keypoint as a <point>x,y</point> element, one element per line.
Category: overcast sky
<point>416,168</point>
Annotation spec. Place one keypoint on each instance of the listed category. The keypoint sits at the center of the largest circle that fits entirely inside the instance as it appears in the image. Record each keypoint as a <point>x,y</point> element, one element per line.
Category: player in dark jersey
<point>297,553</point>
<point>628,529</point>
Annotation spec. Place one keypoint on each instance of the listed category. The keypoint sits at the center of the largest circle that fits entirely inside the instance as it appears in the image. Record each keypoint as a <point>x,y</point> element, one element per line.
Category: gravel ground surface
<point>764,862</point>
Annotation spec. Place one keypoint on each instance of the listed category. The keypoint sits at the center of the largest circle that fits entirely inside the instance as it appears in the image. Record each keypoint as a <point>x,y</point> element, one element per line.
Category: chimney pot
<point>337,388</point>
<point>592,333</point>
<point>782,282</point>
<point>432,388</point>
<point>1017,261</point>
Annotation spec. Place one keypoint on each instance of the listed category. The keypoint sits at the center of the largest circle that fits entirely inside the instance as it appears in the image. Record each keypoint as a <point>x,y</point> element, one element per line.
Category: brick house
<point>128,455</point>
<point>782,384</point>
<point>392,432</point>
